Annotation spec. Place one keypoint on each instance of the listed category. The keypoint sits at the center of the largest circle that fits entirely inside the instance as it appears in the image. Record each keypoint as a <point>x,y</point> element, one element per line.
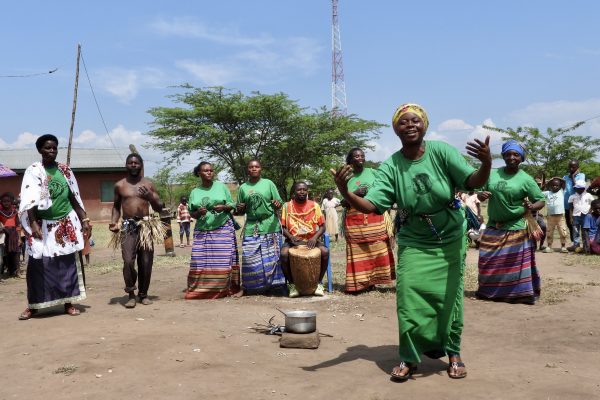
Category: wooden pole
<point>74,105</point>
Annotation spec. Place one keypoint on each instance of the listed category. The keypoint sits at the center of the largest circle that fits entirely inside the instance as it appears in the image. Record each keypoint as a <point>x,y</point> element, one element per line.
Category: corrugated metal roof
<point>89,159</point>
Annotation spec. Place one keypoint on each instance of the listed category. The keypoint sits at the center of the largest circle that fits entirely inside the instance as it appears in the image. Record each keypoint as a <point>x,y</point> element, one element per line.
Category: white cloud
<point>556,113</point>
<point>85,137</point>
<point>381,151</point>
<point>210,74</point>
<point>433,135</point>
<point>121,137</point>
<point>454,125</point>
<point>125,84</point>
<point>24,140</point>
<point>192,28</point>
<point>259,59</point>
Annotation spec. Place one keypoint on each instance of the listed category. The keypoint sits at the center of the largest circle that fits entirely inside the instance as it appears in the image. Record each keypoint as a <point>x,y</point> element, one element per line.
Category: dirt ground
<point>177,349</point>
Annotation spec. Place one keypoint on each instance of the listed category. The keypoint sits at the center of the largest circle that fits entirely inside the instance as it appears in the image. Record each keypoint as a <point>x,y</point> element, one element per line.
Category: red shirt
<point>8,218</point>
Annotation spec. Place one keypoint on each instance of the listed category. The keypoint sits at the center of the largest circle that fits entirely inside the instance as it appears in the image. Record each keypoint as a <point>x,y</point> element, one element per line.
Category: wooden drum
<point>305,266</point>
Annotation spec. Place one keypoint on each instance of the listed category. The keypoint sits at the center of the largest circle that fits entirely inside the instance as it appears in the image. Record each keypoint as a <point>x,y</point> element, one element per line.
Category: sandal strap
<point>457,364</point>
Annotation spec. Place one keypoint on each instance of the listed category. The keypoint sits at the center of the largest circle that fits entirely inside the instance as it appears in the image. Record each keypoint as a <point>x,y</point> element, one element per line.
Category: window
<point>107,191</point>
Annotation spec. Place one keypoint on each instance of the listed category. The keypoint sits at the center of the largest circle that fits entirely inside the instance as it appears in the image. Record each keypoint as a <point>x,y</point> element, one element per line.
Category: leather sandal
<point>454,372</point>
<point>398,377</point>
<point>71,310</point>
<point>27,314</point>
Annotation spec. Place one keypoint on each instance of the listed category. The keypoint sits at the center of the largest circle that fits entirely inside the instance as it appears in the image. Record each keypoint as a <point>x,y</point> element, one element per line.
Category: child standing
<point>556,214</point>
<point>590,229</point>
<point>184,219</point>
<point>10,223</point>
<point>580,203</point>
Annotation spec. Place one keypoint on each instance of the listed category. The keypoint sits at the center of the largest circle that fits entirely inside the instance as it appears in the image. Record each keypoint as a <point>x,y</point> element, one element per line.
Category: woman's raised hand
<point>341,178</point>
<point>480,150</point>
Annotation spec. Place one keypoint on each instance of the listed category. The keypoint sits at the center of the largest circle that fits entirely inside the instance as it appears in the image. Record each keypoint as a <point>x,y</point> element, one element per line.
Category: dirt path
<point>177,349</point>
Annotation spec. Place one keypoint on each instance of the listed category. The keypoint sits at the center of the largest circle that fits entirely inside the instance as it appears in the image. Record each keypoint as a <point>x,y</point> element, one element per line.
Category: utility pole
<point>74,105</point>
<point>338,86</point>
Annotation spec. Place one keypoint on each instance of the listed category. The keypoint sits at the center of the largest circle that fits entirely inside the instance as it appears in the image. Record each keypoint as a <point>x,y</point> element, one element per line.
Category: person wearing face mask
<point>422,179</point>
<point>507,266</point>
<point>214,265</point>
<point>52,214</point>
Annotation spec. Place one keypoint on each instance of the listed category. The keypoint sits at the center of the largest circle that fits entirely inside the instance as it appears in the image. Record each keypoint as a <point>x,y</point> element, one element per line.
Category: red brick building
<point>96,171</point>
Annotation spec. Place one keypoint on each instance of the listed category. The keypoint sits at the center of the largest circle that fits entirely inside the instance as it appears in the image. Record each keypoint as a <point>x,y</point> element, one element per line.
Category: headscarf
<point>410,108</point>
<point>515,146</point>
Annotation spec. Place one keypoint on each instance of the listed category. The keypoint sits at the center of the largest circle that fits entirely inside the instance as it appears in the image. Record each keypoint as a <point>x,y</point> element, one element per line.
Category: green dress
<point>431,246</point>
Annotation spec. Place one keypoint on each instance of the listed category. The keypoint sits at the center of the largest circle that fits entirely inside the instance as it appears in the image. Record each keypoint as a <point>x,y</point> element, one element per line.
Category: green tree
<point>549,152</point>
<point>232,128</point>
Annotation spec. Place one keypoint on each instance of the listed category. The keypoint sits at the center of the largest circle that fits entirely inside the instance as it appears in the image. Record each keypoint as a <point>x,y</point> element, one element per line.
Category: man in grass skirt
<point>138,230</point>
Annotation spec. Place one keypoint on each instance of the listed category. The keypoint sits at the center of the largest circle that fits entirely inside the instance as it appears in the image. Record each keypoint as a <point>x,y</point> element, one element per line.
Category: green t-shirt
<point>260,213</point>
<point>505,209</point>
<point>200,197</point>
<point>365,178</point>
<point>59,193</point>
<point>423,187</point>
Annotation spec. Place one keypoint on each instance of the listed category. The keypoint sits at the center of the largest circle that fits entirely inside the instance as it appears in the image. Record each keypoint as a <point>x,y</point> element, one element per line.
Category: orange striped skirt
<point>369,254</point>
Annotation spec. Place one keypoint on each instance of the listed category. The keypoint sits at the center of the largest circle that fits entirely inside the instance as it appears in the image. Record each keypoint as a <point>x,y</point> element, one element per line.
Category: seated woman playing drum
<point>302,223</point>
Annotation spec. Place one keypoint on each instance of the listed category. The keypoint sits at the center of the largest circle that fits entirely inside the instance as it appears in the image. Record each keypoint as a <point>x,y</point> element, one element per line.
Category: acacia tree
<point>549,152</point>
<point>232,128</point>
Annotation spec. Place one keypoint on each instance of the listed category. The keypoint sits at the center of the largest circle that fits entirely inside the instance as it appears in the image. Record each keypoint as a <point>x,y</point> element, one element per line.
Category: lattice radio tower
<point>338,86</point>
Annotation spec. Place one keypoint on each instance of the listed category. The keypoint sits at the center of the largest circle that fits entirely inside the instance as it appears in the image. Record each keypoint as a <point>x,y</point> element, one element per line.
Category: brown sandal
<point>398,377</point>
<point>27,314</point>
<point>454,372</point>
<point>71,310</point>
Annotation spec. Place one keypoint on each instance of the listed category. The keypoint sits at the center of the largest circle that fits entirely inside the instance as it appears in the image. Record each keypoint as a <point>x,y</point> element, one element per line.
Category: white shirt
<point>581,203</point>
<point>333,203</point>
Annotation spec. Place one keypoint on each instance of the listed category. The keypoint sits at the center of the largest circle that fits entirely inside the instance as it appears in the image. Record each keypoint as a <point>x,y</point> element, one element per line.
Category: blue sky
<point>468,63</point>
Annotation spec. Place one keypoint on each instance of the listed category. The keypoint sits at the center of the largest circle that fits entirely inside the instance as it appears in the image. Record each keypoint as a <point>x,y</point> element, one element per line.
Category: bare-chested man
<point>133,194</point>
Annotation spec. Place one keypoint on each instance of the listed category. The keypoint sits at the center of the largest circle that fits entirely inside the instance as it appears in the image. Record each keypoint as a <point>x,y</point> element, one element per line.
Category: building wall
<point>90,184</point>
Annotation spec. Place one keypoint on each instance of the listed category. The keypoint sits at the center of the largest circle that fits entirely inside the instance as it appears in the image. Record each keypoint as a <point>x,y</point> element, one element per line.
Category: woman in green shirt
<point>214,266</point>
<point>259,200</point>
<point>421,179</point>
<point>507,268</point>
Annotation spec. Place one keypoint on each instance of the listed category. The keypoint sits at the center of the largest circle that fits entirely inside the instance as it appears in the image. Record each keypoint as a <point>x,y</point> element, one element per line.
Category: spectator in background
<point>573,176</point>
<point>184,220</point>
<point>579,207</point>
<point>590,229</point>
<point>9,223</point>
<point>555,207</point>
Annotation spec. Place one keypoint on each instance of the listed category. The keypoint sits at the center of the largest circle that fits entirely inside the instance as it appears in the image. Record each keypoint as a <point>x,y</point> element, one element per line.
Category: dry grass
<point>556,291</point>
<point>66,369</point>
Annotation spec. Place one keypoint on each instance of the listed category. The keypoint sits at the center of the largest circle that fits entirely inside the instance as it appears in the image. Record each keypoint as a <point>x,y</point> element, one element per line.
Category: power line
<point>30,75</point>
<point>98,106</point>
